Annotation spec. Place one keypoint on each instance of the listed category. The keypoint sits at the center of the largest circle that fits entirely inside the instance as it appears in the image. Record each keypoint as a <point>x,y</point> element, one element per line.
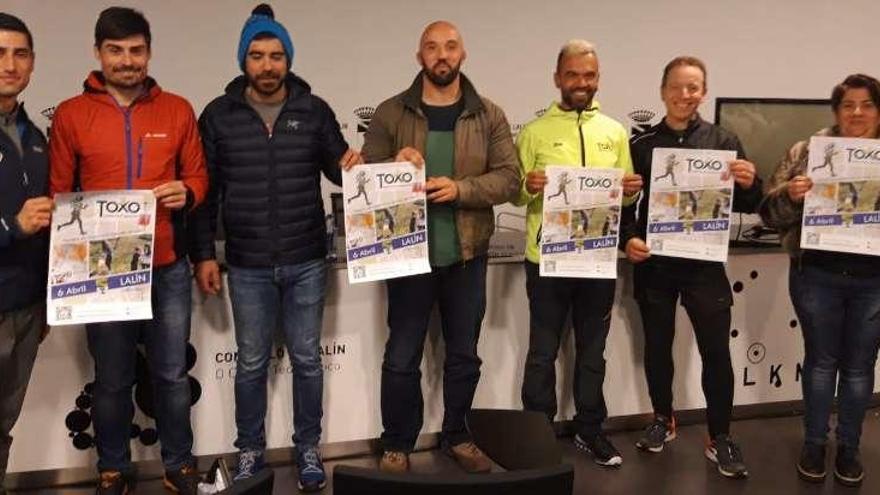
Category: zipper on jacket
<point>126,115</point>
<point>140,157</point>
<point>128,181</point>
<point>581,134</point>
<point>273,193</point>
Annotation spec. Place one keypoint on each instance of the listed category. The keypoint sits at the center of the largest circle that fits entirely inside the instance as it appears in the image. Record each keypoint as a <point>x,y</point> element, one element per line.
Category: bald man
<point>463,140</point>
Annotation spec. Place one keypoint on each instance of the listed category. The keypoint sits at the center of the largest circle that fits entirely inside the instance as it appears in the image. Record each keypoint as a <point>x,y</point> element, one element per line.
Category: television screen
<point>767,128</point>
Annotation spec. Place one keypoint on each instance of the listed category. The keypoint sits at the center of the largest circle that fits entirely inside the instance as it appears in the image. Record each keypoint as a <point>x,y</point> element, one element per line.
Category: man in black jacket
<point>267,141</point>
<point>25,212</point>
<point>703,286</point>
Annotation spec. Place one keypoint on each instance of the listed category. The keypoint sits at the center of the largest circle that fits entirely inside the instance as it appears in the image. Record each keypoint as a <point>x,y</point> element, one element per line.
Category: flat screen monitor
<point>767,128</point>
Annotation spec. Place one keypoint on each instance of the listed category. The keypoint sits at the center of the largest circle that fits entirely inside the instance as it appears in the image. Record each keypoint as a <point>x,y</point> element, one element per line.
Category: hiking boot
<point>112,483</point>
<point>250,462</point>
<point>811,466</point>
<point>184,480</point>
<point>601,449</point>
<point>311,469</point>
<point>469,457</point>
<point>394,461</point>
<point>848,469</point>
<point>656,435</point>
<point>727,456</point>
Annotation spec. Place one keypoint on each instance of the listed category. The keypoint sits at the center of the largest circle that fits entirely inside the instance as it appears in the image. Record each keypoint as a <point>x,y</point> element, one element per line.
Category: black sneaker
<point>112,483</point>
<point>848,469</point>
<point>656,435</point>
<point>811,466</point>
<point>184,480</point>
<point>727,456</point>
<point>602,450</point>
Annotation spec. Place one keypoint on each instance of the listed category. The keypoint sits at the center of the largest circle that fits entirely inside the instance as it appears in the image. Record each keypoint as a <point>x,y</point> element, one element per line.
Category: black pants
<point>460,291</point>
<point>550,301</point>
<point>705,294</point>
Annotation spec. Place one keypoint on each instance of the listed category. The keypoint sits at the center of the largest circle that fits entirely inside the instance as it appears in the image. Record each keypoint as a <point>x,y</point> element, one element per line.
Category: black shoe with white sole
<point>657,434</point>
<point>601,449</point>
<point>727,456</point>
<point>848,469</point>
<point>811,466</point>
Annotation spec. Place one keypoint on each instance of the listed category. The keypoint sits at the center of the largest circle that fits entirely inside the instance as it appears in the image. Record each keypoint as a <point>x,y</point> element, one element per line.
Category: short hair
<point>9,22</point>
<point>685,61</point>
<point>575,47</point>
<point>856,81</point>
<point>116,23</point>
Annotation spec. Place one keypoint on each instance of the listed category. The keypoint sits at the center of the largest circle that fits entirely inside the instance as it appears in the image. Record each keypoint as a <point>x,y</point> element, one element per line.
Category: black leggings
<point>705,294</point>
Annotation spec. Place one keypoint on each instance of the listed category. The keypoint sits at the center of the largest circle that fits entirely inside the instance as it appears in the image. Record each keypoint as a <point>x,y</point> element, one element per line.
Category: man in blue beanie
<point>267,140</point>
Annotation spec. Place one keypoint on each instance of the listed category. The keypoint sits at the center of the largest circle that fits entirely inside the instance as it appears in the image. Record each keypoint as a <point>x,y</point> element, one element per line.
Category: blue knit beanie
<point>262,20</point>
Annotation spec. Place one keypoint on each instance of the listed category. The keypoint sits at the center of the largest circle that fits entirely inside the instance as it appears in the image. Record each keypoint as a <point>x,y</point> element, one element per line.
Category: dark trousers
<point>460,291</point>
<point>550,301</point>
<point>20,331</point>
<point>705,294</point>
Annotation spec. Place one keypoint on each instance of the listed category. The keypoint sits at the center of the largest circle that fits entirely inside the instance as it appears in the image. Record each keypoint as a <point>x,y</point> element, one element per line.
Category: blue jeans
<point>840,318</point>
<point>292,297</point>
<point>460,291</point>
<point>113,346</point>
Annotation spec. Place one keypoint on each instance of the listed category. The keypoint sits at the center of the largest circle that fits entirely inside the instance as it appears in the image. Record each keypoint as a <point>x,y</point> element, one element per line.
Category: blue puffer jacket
<point>267,186</point>
<point>23,260</point>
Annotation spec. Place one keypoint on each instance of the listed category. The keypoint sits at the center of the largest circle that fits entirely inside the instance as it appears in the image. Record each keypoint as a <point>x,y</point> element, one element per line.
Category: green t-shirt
<point>443,243</point>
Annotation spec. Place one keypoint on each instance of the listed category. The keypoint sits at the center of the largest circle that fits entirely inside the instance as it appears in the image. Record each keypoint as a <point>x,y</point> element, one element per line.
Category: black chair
<point>515,439</point>
<point>552,480</point>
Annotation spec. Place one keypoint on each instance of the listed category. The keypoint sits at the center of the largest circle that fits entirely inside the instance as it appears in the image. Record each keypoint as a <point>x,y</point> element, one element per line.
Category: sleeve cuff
<point>9,223</point>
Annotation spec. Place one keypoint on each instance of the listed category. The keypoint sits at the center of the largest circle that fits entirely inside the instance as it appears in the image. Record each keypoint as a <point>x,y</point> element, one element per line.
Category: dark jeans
<point>263,299</point>
<point>20,331</point>
<point>705,294</point>
<point>550,301</point>
<point>113,346</point>
<point>460,291</point>
<point>840,318</point>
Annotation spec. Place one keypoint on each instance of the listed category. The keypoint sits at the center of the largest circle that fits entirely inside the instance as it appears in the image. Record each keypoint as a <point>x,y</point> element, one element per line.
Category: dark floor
<point>770,447</point>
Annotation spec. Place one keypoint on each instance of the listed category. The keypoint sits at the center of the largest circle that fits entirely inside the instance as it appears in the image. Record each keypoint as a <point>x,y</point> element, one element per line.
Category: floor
<point>770,447</point>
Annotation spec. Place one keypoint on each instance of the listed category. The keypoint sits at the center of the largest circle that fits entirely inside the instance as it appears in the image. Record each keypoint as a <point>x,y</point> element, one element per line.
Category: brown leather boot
<point>394,462</point>
<point>470,457</point>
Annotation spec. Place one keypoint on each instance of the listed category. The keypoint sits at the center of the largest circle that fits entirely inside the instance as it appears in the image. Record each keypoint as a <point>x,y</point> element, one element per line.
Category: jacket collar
<point>692,127</point>
<point>412,97</point>
<point>556,111</point>
<point>95,84</point>
<point>296,88</point>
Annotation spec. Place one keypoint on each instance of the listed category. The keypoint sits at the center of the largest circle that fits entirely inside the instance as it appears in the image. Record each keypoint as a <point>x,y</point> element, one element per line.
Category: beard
<point>439,79</point>
<point>126,77</point>
<point>267,83</point>
<point>578,102</point>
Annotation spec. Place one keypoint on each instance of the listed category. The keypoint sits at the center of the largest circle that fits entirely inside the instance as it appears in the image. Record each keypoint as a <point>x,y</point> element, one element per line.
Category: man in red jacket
<point>124,132</point>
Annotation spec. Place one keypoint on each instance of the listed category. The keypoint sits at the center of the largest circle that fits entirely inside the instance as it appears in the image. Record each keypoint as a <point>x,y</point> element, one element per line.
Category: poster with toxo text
<point>690,203</point>
<point>386,223</point>
<point>842,210</point>
<point>101,257</point>
<point>581,218</point>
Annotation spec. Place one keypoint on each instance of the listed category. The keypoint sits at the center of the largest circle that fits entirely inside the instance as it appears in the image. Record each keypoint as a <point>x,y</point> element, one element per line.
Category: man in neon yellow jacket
<point>571,132</point>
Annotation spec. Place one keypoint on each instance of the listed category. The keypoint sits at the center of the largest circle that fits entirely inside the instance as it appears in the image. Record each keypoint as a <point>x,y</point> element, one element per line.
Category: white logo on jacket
<point>293,124</point>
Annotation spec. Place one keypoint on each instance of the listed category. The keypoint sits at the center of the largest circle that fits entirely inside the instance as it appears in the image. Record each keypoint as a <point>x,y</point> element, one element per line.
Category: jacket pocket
<point>155,158</point>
